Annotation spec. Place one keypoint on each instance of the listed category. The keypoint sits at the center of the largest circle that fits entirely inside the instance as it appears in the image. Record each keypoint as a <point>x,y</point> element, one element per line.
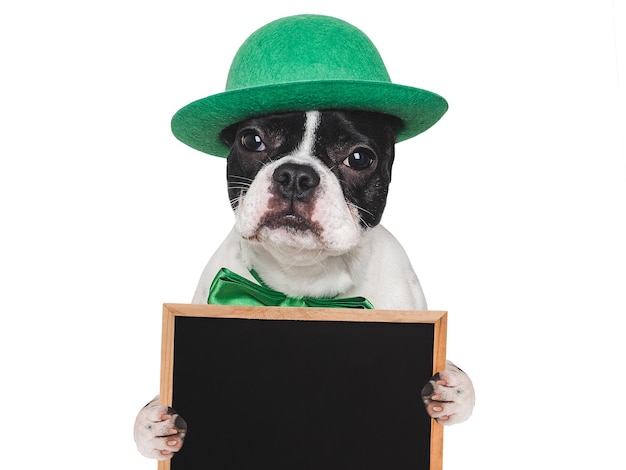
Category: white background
<point>511,208</point>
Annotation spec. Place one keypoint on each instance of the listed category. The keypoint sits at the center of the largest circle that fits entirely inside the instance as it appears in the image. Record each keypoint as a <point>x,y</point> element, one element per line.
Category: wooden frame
<point>182,321</point>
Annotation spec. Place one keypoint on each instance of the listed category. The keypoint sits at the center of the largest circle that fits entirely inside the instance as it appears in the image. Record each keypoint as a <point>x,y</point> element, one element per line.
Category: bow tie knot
<point>229,288</point>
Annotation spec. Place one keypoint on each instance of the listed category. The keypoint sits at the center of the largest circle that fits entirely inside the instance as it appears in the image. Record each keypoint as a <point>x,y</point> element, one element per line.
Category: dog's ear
<point>391,126</point>
<point>396,124</point>
<point>228,135</point>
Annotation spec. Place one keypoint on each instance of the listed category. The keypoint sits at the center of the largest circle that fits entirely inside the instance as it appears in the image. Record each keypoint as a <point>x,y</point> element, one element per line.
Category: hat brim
<point>200,124</point>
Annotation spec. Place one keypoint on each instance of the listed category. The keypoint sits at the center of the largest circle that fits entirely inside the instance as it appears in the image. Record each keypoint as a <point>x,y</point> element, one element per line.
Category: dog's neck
<point>299,273</point>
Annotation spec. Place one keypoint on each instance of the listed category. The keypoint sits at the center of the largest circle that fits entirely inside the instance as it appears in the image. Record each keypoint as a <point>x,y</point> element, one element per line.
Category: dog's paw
<point>159,431</point>
<point>449,396</point>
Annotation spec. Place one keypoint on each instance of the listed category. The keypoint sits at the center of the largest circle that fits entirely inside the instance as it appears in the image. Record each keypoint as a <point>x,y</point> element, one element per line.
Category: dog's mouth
<point>290,222</point>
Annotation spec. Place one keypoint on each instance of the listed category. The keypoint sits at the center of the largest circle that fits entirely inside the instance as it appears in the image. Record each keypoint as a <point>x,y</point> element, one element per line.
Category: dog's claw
<point>449,396</point>
<point>155,428</point>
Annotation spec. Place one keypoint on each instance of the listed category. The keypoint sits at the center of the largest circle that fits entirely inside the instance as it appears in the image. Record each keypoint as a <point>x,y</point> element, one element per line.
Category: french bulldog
<point>308,190</point>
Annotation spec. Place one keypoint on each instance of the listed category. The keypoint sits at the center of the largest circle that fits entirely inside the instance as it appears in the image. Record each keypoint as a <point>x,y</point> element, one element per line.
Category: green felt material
<point>229,288</point>
<point>302,63</point>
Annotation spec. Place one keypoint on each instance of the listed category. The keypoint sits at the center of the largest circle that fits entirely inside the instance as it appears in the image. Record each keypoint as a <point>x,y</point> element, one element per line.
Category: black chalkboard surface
<point>302,388</point>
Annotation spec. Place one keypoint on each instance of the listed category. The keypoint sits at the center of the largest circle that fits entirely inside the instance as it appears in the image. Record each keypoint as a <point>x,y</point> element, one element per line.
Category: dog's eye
<point>360,159</point>
<point>252,142</point>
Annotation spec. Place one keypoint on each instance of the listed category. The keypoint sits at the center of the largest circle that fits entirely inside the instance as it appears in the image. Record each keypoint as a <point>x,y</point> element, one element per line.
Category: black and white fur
<point>308,191</point>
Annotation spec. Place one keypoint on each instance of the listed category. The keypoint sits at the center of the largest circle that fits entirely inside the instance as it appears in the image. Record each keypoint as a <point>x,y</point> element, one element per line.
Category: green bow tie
<point>229,288</point>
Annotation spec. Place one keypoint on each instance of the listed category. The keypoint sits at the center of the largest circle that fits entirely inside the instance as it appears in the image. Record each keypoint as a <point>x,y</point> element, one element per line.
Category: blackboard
<point>302,388</point>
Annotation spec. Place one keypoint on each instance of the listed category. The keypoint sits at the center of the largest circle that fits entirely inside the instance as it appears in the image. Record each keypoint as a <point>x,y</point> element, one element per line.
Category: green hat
<point>303,63</point>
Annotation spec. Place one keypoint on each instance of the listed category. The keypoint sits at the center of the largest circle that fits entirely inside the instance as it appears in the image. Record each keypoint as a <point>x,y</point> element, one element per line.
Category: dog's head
<point>310,182</point>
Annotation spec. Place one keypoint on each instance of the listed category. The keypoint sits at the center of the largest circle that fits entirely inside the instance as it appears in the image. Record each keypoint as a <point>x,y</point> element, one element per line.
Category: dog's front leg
<point>159,431</point>
<point>449,396</point>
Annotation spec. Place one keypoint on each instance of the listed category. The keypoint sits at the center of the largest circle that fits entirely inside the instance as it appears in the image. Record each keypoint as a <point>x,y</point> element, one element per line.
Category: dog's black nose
<point>295,180</point>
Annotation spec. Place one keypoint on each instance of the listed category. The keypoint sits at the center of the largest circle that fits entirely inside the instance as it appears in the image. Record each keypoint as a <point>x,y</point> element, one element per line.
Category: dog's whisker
<point>236,200</point>
<point>241,181</point>
<point>359,208</point>
<point>269,161</point>
<point>359,211</point>
<point>242,188</point>
<point>242,178</point>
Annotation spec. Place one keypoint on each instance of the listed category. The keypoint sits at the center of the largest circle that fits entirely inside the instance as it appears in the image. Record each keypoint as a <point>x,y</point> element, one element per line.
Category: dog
<point>308,190</point>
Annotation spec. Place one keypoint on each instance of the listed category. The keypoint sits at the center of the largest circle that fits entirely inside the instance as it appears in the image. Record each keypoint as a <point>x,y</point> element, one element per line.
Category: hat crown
<point>305,48</point>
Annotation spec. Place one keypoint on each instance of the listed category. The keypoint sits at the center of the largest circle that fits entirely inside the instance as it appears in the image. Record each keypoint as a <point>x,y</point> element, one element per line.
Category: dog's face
<point>310,182</point>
